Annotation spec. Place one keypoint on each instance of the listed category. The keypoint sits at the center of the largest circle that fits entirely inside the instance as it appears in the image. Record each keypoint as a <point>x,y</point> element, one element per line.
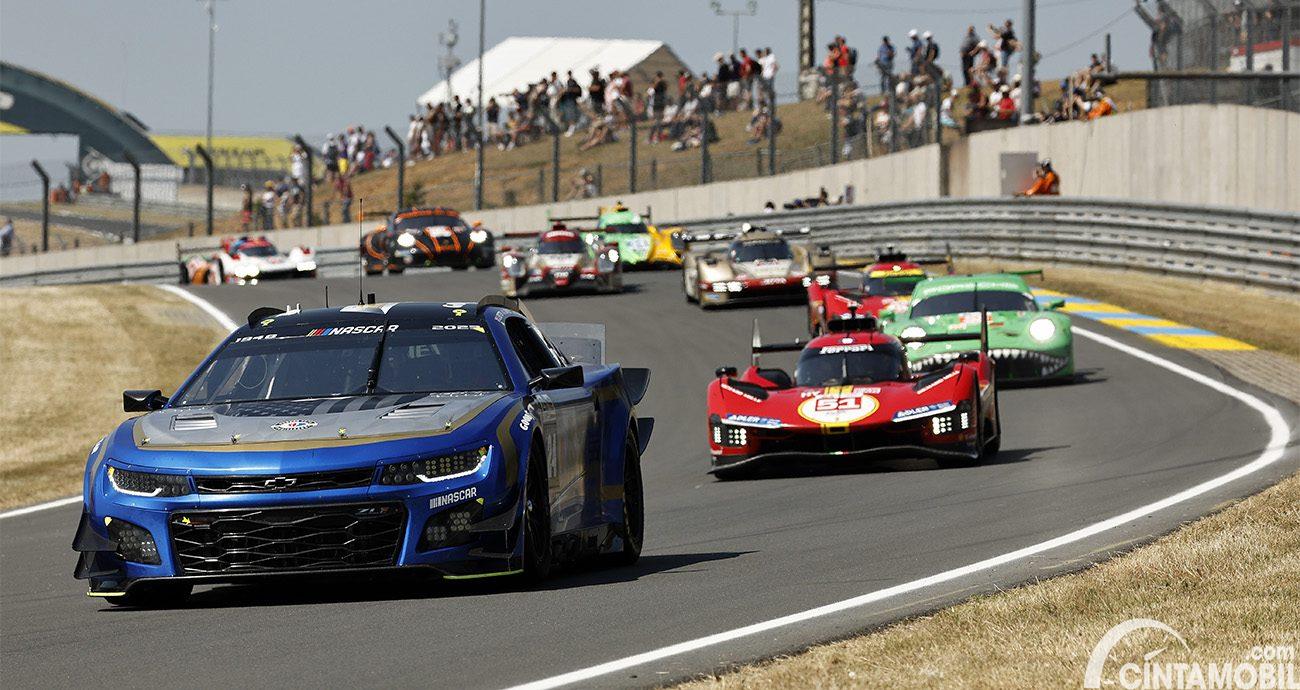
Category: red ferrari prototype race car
<point>853,397</point>
<point>247,260</point>
<point>561,262</point>
<point>884,286</point>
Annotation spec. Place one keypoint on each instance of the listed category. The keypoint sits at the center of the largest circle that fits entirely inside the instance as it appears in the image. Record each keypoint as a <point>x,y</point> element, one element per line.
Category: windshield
<point>434,220</point>
<point>331,362</point>
<point>561,247</point>
<point>744,252</point>
<point>841,365</point>
<point>256,250</point>
<point>966,302</point>
<point>890,286</point>
<point>624,228</point>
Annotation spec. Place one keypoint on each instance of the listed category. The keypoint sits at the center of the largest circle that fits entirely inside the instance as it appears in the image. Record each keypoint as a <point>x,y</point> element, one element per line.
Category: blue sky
<point>314,66</point>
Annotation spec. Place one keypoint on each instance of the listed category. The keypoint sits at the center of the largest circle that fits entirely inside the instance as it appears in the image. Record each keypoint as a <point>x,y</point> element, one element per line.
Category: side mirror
<point>559,377</point>
<point>1053,306</point>
<point>143,401</point>
<point>725,371</point>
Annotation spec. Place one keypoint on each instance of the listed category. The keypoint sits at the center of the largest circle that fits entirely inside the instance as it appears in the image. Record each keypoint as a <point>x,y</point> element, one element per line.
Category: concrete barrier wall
<point>1200,154</point>
<point>1203,154</point>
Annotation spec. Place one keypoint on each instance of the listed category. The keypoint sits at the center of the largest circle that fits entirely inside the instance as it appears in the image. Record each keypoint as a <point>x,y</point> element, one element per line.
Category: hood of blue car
<point>289,424</point>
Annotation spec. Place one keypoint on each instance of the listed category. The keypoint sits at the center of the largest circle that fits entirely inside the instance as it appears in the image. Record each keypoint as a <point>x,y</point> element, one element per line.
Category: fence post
<point>654,173</point>
<point>892,101</point>
<point>554,128</point>
<point>45,204</point>
<point>135,203</point>
<point>758,162</point>
<point>600,179</point>
<point>541,185</point>
<point>835,115</point>
<point>771,126</point>
<point>705,173</point>
<point>401,167</point>
<point>207,172</point>
<point>631,142</point>
<point>297,139</point>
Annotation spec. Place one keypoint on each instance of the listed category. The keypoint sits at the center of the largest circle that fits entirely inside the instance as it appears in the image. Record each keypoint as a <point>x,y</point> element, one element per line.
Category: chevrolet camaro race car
<point>757,265</point>
<point>852,396</point>
<point>1028,343</point>
<point>884,286</point>
<point>419,237</point>
<point>456,439</point>
<point>246,260</point>
<point>561,262</point>
<point>640,244</point>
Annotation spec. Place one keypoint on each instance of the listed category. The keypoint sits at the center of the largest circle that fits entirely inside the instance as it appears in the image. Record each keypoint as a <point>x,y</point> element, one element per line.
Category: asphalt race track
<point>718,555</point>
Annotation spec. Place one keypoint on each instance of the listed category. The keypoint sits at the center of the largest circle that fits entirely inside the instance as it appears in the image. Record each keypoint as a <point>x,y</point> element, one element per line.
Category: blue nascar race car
<point>458,438</point>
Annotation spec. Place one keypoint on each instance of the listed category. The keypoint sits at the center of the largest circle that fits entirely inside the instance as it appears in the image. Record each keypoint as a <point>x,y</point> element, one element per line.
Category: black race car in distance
<point>419,237</point>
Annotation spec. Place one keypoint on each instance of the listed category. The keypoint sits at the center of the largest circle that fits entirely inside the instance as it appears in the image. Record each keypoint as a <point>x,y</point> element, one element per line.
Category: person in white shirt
<point>769,68</point>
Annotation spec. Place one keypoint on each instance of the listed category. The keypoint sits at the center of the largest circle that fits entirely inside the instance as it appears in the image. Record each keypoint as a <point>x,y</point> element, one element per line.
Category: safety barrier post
<point>835,115</point>
<point>706,174</point>
<point>554,128</point>
<point>208,173</point>
<point>771,126</point>
<point>401,167</point>
<point>45,204</point>
<point>631,142</point>
<point>135,203</point>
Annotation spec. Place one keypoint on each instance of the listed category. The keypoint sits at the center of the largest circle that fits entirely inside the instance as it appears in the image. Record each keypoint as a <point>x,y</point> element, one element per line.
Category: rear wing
<point>757,346</point>
<point>725,235</point>
<point>581,343</point>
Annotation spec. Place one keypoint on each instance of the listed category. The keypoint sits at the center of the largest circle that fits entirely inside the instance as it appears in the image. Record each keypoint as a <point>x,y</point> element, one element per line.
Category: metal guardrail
<point>1231,244</point>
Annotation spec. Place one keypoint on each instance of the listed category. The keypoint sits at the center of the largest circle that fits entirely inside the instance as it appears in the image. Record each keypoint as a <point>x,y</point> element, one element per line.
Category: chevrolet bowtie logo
<point>280,482</point>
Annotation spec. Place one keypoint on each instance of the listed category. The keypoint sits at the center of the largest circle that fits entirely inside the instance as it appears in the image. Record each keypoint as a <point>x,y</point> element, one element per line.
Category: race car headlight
<point>406,240</point>
<point>247,271</point>
<point>148,484</point>
<point>613,255</point>
<point>452,526</point>
<point>719,287</point>
<point>729,435</point>
<point>509,260</point>
<point>307,266</point>
<point>435,469</point>
<point>735,286</point>
<point>134,543</point>
<point>478,236</point>
<point>912,332</point>
<point>1042,330</point>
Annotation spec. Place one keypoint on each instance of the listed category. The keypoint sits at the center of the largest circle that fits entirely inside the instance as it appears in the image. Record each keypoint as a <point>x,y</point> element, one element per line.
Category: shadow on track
<point>337,589</point>
<point>829,468</point>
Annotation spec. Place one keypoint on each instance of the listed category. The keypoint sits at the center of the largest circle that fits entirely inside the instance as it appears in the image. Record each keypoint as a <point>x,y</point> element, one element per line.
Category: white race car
<point>246,260</point>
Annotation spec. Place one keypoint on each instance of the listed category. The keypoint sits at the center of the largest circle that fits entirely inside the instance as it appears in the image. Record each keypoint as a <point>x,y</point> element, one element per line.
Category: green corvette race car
<point>1026,343</point>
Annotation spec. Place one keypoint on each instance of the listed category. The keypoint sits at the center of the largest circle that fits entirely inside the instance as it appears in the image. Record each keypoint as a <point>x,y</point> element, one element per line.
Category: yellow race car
<point>640,244</point>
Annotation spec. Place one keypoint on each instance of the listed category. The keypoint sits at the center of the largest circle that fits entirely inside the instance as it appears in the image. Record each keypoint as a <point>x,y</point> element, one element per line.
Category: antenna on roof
<point>361,237</point>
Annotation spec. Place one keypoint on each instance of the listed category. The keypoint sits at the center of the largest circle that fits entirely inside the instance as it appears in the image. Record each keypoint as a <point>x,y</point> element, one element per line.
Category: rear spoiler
<point>757,346</point>
<point>688,238</point>
<point>511,303</point>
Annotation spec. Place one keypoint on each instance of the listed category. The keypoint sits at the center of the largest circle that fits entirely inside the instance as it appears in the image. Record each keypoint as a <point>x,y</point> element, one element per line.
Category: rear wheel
<point>538,554</point>
<point>633,528</point>
<point>155,595</point>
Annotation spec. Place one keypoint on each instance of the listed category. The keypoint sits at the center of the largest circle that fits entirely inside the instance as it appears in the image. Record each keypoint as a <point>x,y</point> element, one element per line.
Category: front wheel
<point>538,555</point>
<point>633,527</point>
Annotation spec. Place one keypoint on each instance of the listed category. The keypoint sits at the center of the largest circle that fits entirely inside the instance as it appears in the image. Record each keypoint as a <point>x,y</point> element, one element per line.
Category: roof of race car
<point>944,285</point>
<point>558,235</point>
<point>374,313</point>
<point>431,211</point>
<point>850,338</point>
<point>617,217</point>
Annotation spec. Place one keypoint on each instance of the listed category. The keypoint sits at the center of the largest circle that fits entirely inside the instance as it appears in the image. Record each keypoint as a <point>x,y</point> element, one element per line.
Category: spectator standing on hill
<point>569,103</point>
<point>596,92</point>
<point>930,56</point>
<point>1005,42</point>
<point>493,112</point>
<point>748,75</point>
<point>343,185</point>
<point>7,235</point>
<point>969,46</point>
<point>885,63</point>
<point>245,208</point>
<point>914,51</point>
<point>769,67</point>
<point>329,152</point>
<point>298,164</point>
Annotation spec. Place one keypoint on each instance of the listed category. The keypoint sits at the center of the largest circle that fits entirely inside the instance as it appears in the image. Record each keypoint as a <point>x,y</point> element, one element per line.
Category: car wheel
<point>155,595</point>
<point>538,554</point>
<point>633,528</point>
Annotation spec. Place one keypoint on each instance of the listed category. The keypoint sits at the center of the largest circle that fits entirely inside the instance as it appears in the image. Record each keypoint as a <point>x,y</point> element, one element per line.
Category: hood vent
<point>414,412</point>
<point>194,423</point>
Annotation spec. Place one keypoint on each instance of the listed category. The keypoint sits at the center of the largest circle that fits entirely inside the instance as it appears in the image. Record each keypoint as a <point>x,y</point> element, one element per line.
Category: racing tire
<point>185,274</point>
<point>538,549</point>
<point>155,595</point>
<point>633,527</point>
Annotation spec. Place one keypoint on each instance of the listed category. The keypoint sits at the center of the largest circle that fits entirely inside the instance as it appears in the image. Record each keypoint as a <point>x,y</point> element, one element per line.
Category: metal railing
<point>1231,244</point>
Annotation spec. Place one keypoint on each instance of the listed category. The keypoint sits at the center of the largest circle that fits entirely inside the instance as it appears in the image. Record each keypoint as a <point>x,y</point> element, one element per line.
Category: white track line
<point>1278,435</point>
<point>203,304</point>
<point>41,506</point>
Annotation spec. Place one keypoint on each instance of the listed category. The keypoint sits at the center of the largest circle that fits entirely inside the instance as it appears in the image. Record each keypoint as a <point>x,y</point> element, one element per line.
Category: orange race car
<point>417,237</point>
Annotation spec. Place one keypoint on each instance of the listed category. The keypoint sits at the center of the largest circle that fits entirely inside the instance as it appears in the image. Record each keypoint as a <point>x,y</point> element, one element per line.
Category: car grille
<point>287,539</point>
<point>263,484</point>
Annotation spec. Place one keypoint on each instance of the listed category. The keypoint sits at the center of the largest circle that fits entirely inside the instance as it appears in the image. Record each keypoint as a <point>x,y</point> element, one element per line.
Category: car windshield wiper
<point>372,378</point>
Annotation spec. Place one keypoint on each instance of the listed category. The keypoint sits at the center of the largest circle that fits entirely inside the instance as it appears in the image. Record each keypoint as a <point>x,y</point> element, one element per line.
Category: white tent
<point>521,60</point>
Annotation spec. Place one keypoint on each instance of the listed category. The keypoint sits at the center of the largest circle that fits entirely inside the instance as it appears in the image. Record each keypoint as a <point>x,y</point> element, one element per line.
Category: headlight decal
<point>1042,329</point>
<point>435,469</point>
<point>148,484</point>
